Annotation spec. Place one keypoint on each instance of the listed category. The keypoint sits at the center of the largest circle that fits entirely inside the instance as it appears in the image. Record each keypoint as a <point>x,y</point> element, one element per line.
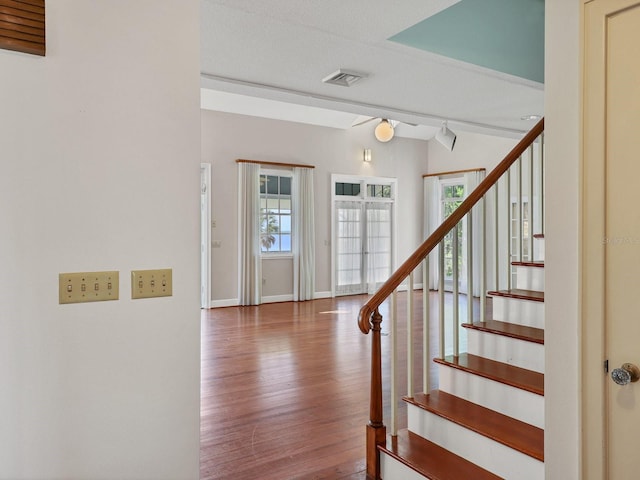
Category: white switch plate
<point>151,283</point>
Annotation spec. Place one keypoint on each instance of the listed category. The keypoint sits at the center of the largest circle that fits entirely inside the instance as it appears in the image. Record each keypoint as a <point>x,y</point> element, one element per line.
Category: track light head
<point>446,137</point>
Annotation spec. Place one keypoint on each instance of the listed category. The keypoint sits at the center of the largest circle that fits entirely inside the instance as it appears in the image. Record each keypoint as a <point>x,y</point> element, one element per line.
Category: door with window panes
<point>452,195</point>
<point>363,220</point>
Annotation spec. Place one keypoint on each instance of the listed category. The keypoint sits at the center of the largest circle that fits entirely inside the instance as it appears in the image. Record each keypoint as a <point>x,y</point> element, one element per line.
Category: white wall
<point>562,176</point>
<point>227,137</point>
<point>99,158</point>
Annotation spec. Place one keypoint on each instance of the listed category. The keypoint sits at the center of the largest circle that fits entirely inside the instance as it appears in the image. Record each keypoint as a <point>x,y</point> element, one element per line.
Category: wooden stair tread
<point>537,263</point>
<point>520,294</point>
<point>528,334</point>
<point>506,430</point>
<point>431,460</point>
<point>497,371</point>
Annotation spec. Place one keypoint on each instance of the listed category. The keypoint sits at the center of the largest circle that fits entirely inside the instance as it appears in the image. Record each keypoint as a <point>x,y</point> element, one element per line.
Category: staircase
<point>485,419</point>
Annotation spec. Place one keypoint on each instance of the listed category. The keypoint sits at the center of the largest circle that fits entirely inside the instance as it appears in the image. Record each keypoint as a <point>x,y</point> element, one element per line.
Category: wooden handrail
<point>367,310</point>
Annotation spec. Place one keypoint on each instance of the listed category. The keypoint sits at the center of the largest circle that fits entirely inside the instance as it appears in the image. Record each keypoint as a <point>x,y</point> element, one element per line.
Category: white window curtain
<point>304,252</point>
<point>250,265</point>
<point>432,221</point>
<point>432,192</point>
<point>378,244</point>
<point>471,181</point>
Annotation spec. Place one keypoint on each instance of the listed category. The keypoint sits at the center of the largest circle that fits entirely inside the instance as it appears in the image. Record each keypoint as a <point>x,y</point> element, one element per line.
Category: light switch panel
<point>80,287</point>
<point>151,283</point>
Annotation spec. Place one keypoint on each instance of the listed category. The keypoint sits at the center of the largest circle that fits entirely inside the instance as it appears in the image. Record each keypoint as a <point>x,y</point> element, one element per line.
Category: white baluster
<point>455,321</point>
<point>483,258</point>
<point>441,296</point>
<point>410,349</point>
<point>470,241</point>
<point>426,325</point>
<point>393,310</point>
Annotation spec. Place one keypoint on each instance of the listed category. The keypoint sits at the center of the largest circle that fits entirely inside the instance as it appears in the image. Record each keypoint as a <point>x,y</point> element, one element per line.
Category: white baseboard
<point>234,302</point>
<point>404,287</point>
<point>230,302</point>
<point>277,298</point>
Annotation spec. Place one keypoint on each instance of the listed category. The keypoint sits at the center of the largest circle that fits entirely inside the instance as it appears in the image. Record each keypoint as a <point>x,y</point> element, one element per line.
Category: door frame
<point>593,237</point>
<point>205,235</point>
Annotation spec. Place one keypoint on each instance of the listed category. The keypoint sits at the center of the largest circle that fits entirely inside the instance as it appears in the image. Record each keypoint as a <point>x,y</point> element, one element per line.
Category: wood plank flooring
<point>285,389</point>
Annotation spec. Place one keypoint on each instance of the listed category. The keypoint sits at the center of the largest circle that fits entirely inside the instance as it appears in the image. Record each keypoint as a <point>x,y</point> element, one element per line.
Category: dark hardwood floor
<point>285,389</point>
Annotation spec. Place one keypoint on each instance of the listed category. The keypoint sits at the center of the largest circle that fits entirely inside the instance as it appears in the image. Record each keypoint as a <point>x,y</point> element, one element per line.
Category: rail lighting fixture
<point>366,155</point>
<point>384,131</point>
<point>446,137</point>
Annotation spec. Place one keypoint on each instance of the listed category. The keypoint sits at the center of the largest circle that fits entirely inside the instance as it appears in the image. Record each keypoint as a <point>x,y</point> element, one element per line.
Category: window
<point>379,191</point>
<point>348,189</point>
<point>275,213</point>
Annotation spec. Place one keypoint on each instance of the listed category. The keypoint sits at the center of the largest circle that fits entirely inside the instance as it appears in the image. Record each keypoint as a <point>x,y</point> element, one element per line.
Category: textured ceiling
<point>280,51</point>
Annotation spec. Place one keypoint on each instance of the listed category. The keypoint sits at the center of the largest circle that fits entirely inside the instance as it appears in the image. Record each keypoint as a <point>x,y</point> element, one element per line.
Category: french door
<point>363,245</point>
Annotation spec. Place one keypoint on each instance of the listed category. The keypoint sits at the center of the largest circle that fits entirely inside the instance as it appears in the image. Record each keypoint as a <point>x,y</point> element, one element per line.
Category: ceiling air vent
<point>344,78</point>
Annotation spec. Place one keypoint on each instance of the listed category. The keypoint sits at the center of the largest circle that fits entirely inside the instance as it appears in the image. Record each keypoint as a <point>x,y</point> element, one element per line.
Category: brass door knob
<point>626,374</point>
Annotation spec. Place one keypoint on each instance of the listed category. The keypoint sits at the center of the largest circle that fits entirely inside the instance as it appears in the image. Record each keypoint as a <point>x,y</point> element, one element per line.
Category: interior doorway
<point>205,235</point>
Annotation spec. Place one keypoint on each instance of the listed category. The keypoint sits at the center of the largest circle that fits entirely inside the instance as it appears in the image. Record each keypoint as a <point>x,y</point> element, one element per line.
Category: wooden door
<point>611,236</point>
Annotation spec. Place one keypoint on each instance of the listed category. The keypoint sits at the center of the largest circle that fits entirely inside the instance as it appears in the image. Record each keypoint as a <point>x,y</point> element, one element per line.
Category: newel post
<point>376,431</point>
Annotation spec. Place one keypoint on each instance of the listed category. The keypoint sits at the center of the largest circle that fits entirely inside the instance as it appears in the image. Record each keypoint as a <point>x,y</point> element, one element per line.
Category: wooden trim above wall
<point>274,164</point>
<point>454,172</point>
<point>22,26</point>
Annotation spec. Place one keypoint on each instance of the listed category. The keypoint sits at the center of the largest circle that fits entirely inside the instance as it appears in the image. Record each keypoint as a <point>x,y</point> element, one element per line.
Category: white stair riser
<point>530,278</point>
<point>519,312</point>
<point>392,469</point>
<point>483,451</point>
<point>504,349</point>
<point>511,401</point>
